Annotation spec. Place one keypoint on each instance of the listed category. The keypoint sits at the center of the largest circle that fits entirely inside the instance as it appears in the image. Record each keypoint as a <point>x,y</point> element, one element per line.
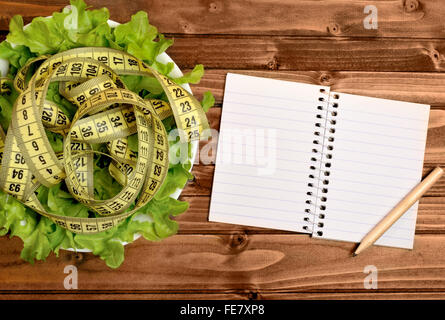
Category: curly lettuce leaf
<point>6,105</point>
<point>193,76</point>
<point>12,213</point>
<point>139,38</point>
<point>16,56</point>
<point>83,27</point>
<point>37,245</point>
<point>41,37</point>
<point>73,27</point>
<point>208,101</point>
<point>53,95</point>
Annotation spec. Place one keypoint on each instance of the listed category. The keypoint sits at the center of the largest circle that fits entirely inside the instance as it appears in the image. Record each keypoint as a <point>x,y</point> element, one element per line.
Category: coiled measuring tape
<point>107,113</point>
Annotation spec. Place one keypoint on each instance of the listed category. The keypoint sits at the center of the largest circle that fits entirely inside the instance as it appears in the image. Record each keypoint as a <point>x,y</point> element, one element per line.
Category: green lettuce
<point>78,27</point>
<point>139,38</point>
<point>16,56</point>
<point>208,101</point>
<point>71,28</point>
<point>6,104</point>
<point>193,76</point>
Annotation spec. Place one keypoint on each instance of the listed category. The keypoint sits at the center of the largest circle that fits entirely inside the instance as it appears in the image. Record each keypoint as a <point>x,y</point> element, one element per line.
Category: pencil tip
<point>354,254</point>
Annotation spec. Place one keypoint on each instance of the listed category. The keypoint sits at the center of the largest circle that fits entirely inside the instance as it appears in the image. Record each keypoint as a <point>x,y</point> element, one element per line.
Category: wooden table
<point>319,42</point>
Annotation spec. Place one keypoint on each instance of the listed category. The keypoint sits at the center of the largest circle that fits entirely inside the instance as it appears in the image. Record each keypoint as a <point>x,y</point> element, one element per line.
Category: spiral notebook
<point>299,157</point>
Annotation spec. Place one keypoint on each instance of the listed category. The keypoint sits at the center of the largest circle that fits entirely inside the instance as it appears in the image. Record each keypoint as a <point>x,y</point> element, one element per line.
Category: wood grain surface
<point>318,42</point>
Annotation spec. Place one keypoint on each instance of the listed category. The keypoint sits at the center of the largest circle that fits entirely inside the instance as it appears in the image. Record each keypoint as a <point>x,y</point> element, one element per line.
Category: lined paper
<point>264,156</point>
<point>377,159</point>
<point>264,152</point>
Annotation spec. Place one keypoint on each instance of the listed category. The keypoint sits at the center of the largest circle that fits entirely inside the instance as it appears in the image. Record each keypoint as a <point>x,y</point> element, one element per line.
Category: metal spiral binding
<point>321,163</point>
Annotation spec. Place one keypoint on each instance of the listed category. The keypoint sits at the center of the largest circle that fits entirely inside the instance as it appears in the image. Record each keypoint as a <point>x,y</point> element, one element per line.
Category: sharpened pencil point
<point>354,255</point>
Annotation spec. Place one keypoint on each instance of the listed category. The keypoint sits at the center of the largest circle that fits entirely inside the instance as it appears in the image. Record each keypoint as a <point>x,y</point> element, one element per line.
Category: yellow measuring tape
<point>107,113</point>
<point>4,86</point>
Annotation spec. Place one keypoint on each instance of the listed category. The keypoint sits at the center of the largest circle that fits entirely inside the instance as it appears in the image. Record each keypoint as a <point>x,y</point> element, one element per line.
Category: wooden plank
<point>419,87</point>
<point>168,295</point>
<point>370,295</point>
<point>314,18</point>
<point>430,219</point>
<point>258,263</point>
<point>308,54</point>
<point>297,53</point>
<point>304,54</point>
<point>119,295</point>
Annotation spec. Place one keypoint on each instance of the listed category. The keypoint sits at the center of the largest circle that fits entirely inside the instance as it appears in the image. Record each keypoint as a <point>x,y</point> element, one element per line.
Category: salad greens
<point>79,27</point>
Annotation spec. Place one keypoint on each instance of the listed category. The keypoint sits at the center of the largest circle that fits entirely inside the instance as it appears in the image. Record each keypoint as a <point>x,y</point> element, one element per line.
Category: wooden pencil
<point>406,203</point>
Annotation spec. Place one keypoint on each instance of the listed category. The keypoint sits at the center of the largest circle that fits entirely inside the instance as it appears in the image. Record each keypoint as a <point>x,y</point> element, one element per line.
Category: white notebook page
<point>377,159</point>
<point>264,152</point>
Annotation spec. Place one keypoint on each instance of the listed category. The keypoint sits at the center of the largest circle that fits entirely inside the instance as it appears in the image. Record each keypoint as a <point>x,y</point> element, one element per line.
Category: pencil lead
<point>354,255</point>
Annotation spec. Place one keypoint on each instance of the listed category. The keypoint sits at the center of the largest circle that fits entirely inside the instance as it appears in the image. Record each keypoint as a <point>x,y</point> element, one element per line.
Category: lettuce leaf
<point>6,105</point>
<point>16,56</point>
<point>141,39</point>
<point>193,76</point>
<point>71,28</point>
<point>53,95</point>
<point>208,101</point>
<point>37,245</point>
